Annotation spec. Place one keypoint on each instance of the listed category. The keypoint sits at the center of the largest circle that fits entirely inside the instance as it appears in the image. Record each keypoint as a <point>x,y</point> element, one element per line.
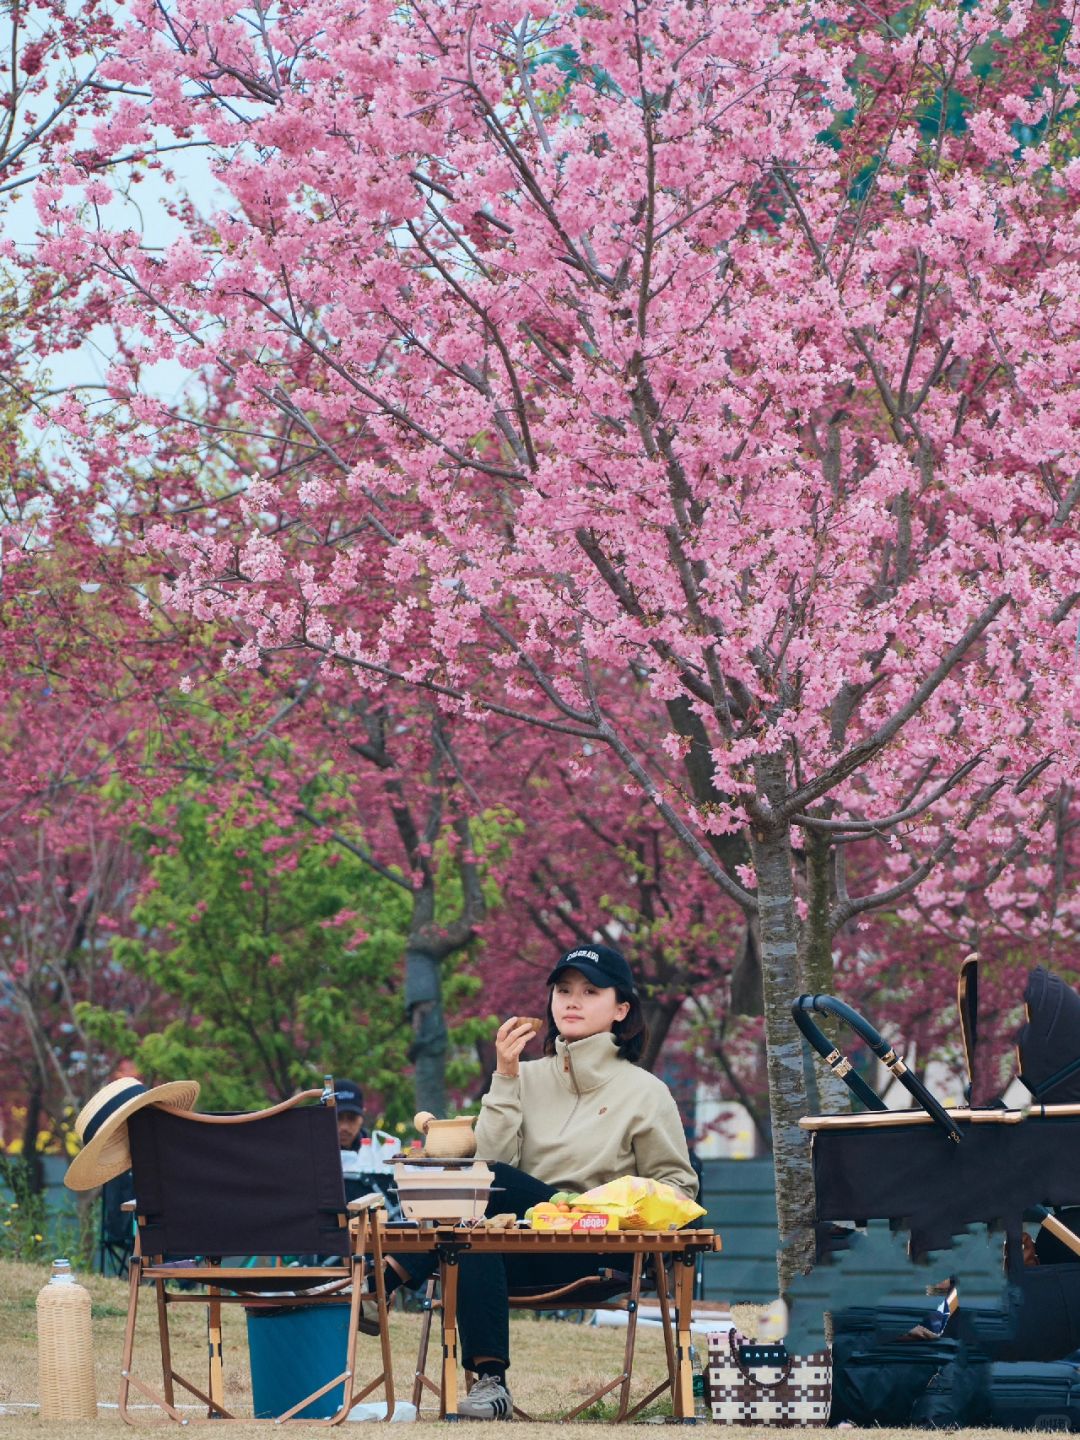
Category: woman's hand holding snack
<point>510,1039</point>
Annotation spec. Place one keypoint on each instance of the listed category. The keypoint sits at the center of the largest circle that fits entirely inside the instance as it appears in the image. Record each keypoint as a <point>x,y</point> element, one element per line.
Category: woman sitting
<point>581,1116</point>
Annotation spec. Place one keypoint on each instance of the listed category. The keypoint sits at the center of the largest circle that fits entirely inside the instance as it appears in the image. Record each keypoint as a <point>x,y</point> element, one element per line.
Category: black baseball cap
<point>350,1097</point>
<point>598,963</point>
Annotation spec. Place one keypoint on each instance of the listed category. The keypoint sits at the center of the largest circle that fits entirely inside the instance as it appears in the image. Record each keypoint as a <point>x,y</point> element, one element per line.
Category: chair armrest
<point>373,1200</point>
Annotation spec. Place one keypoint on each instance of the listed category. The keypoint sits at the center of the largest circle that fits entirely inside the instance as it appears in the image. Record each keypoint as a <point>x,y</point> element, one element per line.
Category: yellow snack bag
<point>644,1204</point>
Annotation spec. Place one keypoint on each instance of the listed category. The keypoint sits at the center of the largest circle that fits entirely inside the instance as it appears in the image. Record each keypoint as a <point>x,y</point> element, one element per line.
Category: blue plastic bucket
<point>293,1351</point>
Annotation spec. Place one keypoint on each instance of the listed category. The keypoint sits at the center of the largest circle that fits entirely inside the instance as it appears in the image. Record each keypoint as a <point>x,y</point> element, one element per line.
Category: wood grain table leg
<point>217,1372</point>
<point>449,1332</point>
<point>684,1304</point>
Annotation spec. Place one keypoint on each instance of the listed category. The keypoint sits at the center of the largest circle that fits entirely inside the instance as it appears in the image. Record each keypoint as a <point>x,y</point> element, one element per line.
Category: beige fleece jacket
<point>584,1116</point>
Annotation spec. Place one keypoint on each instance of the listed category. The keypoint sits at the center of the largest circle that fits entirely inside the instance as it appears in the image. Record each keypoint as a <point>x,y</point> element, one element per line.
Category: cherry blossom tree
<point>487,832</point>
<point>65,868</point>
<point>696,370</point>
<point>49,86</point>
<point>79,722</point>
<point>1013,905</point>
<point>388,783</point>
<point>585,864</point>
<point>65,871</point>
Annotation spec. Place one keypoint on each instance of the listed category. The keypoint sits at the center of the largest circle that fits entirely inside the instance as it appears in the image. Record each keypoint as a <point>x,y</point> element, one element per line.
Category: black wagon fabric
<point>189,1175</point>
<point>1044,1312</point>
<point>916,1176</point>
<point>1048,1044</point>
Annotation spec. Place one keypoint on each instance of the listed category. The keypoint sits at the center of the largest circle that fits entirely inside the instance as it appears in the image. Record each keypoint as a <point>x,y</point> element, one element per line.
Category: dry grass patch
<point>554,1364</point>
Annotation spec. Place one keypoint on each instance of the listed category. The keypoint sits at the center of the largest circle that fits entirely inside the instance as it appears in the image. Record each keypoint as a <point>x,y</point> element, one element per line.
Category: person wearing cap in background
<point>583,1115</point>
<point>350,1115</point>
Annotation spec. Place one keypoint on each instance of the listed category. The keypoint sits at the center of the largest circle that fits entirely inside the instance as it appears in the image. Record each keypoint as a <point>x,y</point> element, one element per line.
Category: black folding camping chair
<point>116,1238</point>
<point>212,1190</point>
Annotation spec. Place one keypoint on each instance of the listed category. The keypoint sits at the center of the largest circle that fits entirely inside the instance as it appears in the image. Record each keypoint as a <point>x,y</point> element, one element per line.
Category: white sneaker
<point>489,1399</point>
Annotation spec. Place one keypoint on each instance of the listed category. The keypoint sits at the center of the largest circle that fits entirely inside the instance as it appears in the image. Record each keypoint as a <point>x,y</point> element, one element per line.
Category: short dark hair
<point>631,1034</point>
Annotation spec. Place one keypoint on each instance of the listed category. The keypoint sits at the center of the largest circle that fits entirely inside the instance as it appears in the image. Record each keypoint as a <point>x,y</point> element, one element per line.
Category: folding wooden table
<point>450,1242</point>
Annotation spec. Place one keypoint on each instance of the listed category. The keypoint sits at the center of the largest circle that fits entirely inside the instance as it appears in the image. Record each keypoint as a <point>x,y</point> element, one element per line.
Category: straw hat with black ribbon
<point>102,1126</point>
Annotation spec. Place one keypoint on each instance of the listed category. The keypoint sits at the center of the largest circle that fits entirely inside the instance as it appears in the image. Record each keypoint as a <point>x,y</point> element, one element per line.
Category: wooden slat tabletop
<point>479,1237</point>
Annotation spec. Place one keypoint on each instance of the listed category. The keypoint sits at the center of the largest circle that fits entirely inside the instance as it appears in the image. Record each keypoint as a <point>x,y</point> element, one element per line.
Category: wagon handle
<point>802,1009</point>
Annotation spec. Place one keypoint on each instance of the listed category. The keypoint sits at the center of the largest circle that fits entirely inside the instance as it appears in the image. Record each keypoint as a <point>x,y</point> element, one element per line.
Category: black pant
<point>484,1281</point>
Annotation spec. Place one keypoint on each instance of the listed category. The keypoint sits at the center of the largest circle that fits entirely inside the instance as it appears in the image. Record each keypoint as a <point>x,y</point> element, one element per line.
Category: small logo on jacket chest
<point>602,1110</point>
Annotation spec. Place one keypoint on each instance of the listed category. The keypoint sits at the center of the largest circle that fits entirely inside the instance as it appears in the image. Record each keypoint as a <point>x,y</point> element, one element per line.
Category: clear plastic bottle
<point>66,1386</point>
<point>367,1156</point>
<point>389,1150</point>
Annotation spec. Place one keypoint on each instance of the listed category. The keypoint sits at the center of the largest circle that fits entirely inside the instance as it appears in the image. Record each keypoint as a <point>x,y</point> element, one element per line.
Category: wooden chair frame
<point>569,1296</point>
<point>230,1285</point>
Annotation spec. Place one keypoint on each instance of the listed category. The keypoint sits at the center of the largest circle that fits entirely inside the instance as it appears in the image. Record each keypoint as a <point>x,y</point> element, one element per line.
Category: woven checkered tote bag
<point>748,1384</point>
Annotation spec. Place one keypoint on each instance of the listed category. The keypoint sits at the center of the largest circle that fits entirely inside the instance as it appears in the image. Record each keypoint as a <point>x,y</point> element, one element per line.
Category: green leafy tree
<point>282,955</point>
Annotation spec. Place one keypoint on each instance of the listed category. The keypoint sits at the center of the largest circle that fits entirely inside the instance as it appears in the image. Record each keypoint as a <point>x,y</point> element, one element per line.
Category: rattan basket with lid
<point>450,1139</point>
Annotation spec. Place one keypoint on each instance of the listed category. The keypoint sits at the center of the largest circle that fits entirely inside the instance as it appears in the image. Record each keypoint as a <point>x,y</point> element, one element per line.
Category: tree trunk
<point>746,992</point>
<point>430,1042</point>
<point>659,1018</point>
<point>826,1091</point>
<point>787,1091</point>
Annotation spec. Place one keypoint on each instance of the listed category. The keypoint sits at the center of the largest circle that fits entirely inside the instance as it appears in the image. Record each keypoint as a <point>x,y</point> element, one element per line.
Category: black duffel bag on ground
<point>958,1395</point>
<point>1039,1321</point>
<point>1035,1396</point>
<point>880,1383</point>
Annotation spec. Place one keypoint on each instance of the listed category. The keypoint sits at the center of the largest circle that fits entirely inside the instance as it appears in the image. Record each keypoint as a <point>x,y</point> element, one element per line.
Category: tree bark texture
<point>747,997</point>
<point>771,849</point>
<point>827,1093</point>
<point>428,1048</point>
